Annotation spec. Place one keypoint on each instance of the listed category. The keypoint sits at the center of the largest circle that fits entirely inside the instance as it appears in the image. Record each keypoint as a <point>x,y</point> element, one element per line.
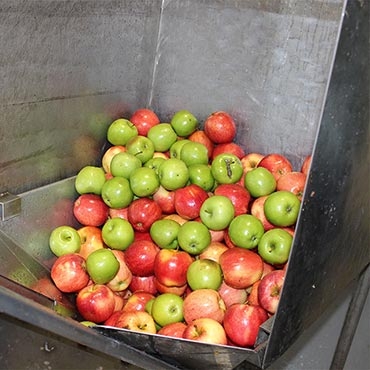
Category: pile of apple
<point>182,233</point>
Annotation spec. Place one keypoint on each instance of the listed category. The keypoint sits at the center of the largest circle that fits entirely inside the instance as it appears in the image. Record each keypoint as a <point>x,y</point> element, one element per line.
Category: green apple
<point>163,136</point>
<point>117,193</point>
<point>122,164</point>
<point>259,182</point>
<point>164,233</point>
<point>201,175</point>
<point>282,208</point>
<point>194,153</point>
<point>102,266</point>
<point>184,123</point>
<point>173,174</point>
<point>144,181</point>
<point>64,240</point>
<point>227,168</point>
<point>274,246</point>
<point>204,274</point>
<point>141,147</point>
<point>90,179</point>
<point>245,231</point>
<point>118,233</point>
<point>154,163</point>
<point>217,212</point>
<point>193,237</point>
<point>175,149</point>
<point>167,308</point>
<point>121,131</point>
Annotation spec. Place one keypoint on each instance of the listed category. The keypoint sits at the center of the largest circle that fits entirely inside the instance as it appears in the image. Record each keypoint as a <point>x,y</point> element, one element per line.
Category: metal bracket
<point>10,206</point>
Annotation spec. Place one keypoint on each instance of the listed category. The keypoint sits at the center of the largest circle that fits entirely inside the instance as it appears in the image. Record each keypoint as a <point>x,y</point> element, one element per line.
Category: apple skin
<point>175,330</point>
<point>143,283</point>
<point>117,233</point>
<point>184,123</point>
<point>90,210</point>
<point>232,295</point>
<point>231,147</point>
<point>102,266</point>
<point>138,321</point>
<point>118,212</point>
<point>163,136</point>
<point>144,181</point>
<point>109,154</point>
<point>164,233</point>
<point>116,192</point>
<point>202,303</point>
<point>253,294</point>
<point>64,240</point>
<point>220,127</point>
<point>206,330</point>
<point>173,173</point>
<point>194,153</point>
<point>140,257</point>
<point>122,164</point>
<point>121,131</point>
<point>69,273</point>
<point>137,301</point>
<point>269,290</point>
<point>112,319</point>
<point>123,278</point>
<point>213,251</point>
<point>162,288</point>
<point>250,161</point>
<point>276,163</point>
<point>238,195</point>
<point>199,136</point>
<point>217,212</point>
<point>141,147</point>
<point>241,267</point>
<point>167,308</point>
<point>144,119</point>
<point>201,175</point>
<point>227,168</point>
<point>294,182</point>
<point>188,201</point>
<point>257,210</point>
<point>90,179</point>
<point>91,240</point>
<point>142,213</point>
<point>95,303</point>
<point>204,274</point>
<point>259,182</point>
<point>242,322</point>
<point>165,199</point>
<point>193,237</point>
<point>176,217</point>
<point>305,169</point>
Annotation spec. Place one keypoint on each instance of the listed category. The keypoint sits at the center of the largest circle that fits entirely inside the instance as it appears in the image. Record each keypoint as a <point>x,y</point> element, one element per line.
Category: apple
<point>173,174</point>
<point>117,193</point>
<point>102,266</point>
<point>91,240</point>
<point>257,210</point>
<point>259,182</point>
<point>175,330</point>
<point>119,301</point>
<point>241,267</point>
<point>143,283</point>
<point>188,201</point>
<point>207,331</point>
<point>138,321</point>
<point>174,216</point>
<point>167,308</point>
<point>47,287</point>
<point>204,303</point>
<point>201,175</point>
<point>121,131</point>
<point>227,168</point>
<point>267,268</point>
<point>69,273</point>
<point>175,150</point>
<point>227,239</point>
<point>245,231</point>
<point>277,164</point>
<point>112,319</point>
<point>294,182</point>
<point>193,237</point>
<point>232,295</point>
<point>117,233</point>
<point>140,257</point>
<point>199,136</point>
<point>137,302</point>
<point>144,181</point>
<point>109,154</point>
<point>162,136</point>
<point>204,274</point>
<point>162,288</point>
<point>165,199</point>
<point>184,123</point>
<point>164,233</point>
<point>123,277</point>
<point>231,147</point>
<point>242,323</point>
<point>274,246</point>
<point>141,147</point>
<point>239,196</point>
<point>269,290</point>
<point>253,294</point>
<point>90,179</point>
<point>90,210</point>
<point>220,127</point>
<point>95,303</point>
<point>250,161</point>
<point>170,267</point>
<point>64,240</point>
<point>217,235</point>
<point>306,165</point>
<point>144,119</point>
<point>282,208</point>
<point>213,251</point>
<point>118,212</point>
<point>194,153</point>
<point>122,164</point>
<point>155,162</point>
<point>142,213</point>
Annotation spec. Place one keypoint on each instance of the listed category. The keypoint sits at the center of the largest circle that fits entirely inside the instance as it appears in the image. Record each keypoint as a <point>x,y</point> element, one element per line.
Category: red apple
<point>250,161</point>
<point>220,127</point>
<point>91,240</point>
<point>139,321</point>
<point>277,164</point>
<point>269,290</point>
<point>165,199</point>
<point>242,322</point>
<point>206,330</point>
<point>188,201</point>
<point>257,210</point>
<point>174,329</point>
<point>306,164</point>
<point>199,136</point>
<point>142,212</point>
<point>69,273</point>
<point>292,181</point>
<point>241,267</point>
<point>228,241</point>
<point>143,283</point>
<point>95,303</point>
<point>162,288</point>
<point>217,235</point>
<point>267,268</point>
<point>231,147</point>
<point>137,301</point>
<point>119,302</point>
<point>253,294</point>
<point>124,275</point>
<point>140,256</point>
<point>118,212</point>
<point>238,195</point>
<point>90,210</point>
<point>144,119</point>
<point>109,154</point>
<point>232,295</point>
<point>203,303</point>
<point>112,319</point>
<point>213,251</point>
<point>174,216</point>
<point>142,236</point>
